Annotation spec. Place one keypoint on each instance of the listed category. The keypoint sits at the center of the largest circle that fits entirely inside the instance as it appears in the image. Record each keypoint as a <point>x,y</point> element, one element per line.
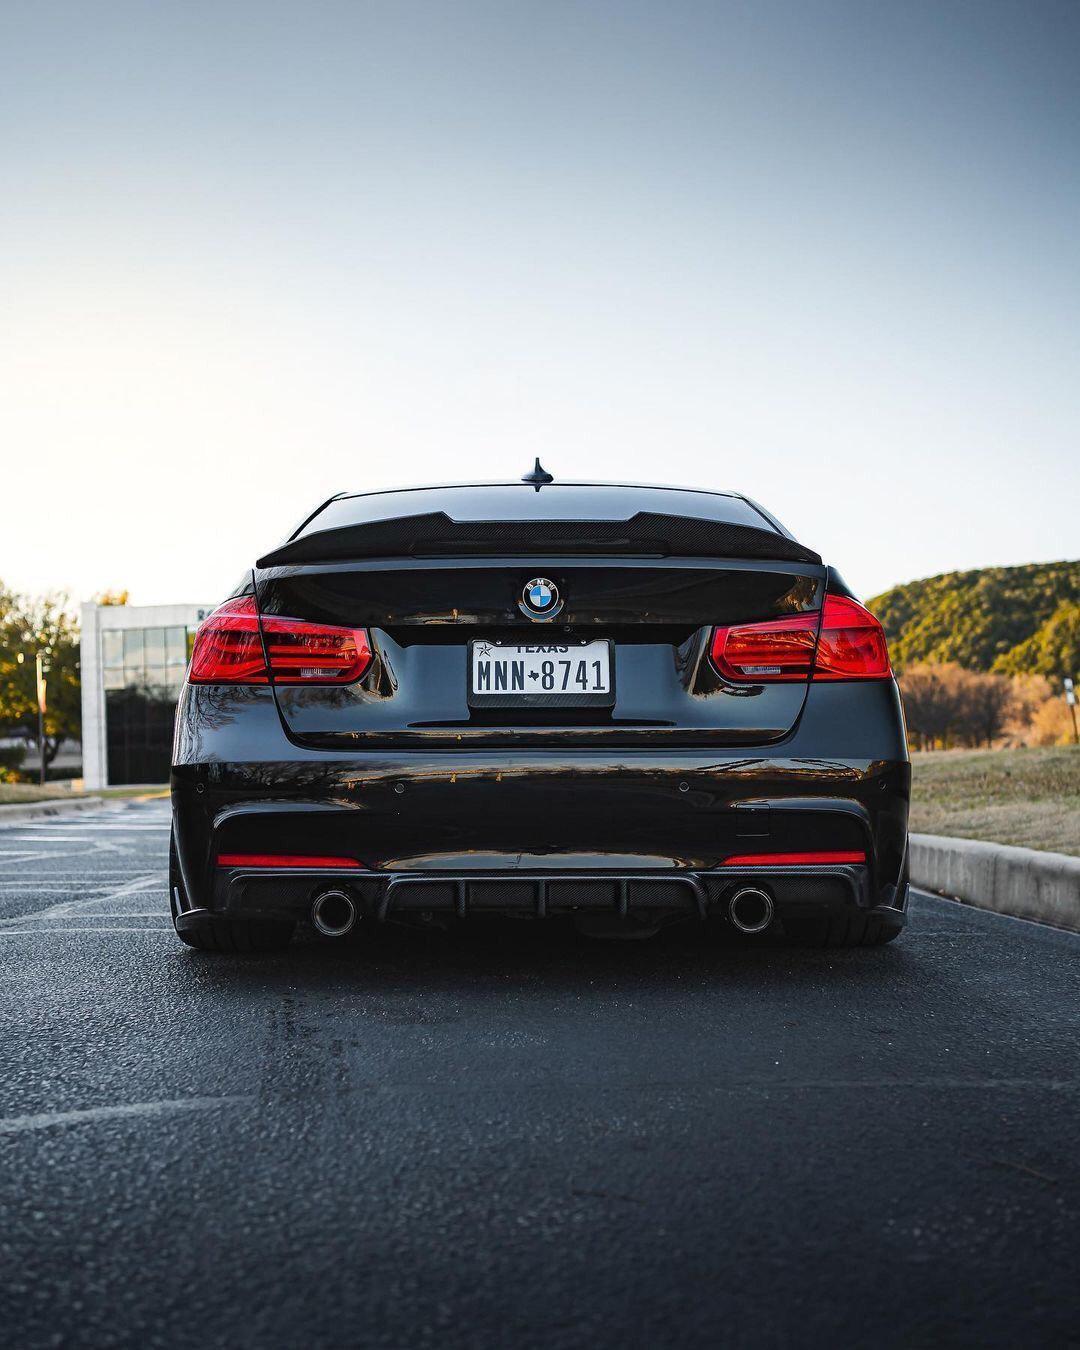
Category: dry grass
<point>30,792</point>
<point>14,793</point>
<point>1027,797</point>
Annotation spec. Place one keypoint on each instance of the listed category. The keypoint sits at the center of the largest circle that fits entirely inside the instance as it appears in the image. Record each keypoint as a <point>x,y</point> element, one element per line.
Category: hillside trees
<point>1053,649</point>
<point>980,655</point>
<point>1009,619</point>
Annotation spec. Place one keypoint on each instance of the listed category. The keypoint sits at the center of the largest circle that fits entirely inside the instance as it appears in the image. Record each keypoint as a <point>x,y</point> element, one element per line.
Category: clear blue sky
<point>252,254</point>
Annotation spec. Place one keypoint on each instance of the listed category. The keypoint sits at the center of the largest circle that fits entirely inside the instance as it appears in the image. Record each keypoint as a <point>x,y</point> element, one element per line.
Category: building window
<point>143,670</point>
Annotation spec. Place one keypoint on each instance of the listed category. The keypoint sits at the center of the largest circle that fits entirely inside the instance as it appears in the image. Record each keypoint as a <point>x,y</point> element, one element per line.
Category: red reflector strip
<point>793,859</point>
<point>284,860</point>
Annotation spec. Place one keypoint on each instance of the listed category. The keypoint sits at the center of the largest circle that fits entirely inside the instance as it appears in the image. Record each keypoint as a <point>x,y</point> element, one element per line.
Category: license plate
<point>541,675</point>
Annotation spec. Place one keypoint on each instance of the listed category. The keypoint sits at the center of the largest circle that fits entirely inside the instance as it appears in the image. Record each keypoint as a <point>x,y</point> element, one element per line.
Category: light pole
<point>39,664</point>
<point>41,671</point>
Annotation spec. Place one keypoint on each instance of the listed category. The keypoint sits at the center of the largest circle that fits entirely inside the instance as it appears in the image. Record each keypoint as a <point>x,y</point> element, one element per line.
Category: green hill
<point>1008,619</point>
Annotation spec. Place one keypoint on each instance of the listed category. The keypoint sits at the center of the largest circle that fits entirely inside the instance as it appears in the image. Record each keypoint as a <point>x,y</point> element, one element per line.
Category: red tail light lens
<point>315,653</point>
<point>282,860</point>
<point>228,649</point>
<point>779,649</point>
<point>852,644</point>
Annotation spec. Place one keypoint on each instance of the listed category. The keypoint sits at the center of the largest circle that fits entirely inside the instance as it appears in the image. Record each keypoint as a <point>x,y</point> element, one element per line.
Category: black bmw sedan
<point>626,706</point>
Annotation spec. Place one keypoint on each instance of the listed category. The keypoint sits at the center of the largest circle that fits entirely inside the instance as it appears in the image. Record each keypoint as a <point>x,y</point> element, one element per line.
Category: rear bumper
<point>484,819</point>
<point>652,896</point>
<point>421,831</point>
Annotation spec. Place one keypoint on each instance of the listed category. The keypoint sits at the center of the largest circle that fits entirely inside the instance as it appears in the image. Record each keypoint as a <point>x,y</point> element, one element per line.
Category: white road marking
<point>67,853</point>
<point>80,832</point>
<point>47,1119</point>
<point>162,913</point>
<point>11,889</point>
<point>43,839</point>
<point>89,871</point>
<point>88,822</point>
<point>48,932</point>
<point>82,879</point>
<point>147,884</point>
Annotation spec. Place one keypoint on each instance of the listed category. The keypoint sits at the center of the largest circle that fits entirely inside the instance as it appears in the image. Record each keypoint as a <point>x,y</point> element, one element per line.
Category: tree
<point>1029,694</point>
<point>946,704</point>
<point>987,704</point>
<point>932,700</point>
<point>1052,724</point>
<point>27,627</point>
<point>11,676</point>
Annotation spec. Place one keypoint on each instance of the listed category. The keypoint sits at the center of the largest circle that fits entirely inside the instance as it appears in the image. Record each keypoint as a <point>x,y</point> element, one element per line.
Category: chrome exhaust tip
<point>751,910</point>
<point>334,913</point>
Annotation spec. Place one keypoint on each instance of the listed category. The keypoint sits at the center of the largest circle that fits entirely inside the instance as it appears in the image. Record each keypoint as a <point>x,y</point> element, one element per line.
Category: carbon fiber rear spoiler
<point>435,535</point>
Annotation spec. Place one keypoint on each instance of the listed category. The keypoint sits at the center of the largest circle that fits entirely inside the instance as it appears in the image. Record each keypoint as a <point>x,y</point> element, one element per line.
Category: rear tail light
<point>850,646</point>
<point>229,650</point>
<point>779,649</point>
<point>826,859</point>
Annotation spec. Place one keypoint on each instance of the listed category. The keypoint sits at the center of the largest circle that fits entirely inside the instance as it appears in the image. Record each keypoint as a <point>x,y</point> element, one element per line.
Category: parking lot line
<point>148,883</point>
<point>48,932</point>
<point>48,1119</point>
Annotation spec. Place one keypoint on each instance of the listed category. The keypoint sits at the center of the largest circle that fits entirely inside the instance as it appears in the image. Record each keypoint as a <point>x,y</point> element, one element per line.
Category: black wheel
<point>213,934</point>
<point>841,930</point>
<point>237,935</point>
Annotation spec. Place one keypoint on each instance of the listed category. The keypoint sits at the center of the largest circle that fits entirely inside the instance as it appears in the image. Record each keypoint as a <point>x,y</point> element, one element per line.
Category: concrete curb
<point>1023,882</point>
<point>20,811</point>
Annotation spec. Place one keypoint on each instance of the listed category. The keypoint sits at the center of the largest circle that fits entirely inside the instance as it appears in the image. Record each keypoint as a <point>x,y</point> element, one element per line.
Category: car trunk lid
<point>422,614</point>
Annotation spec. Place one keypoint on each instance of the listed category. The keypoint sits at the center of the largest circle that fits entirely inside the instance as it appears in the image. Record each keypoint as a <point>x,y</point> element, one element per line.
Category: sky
<point>253,254</point>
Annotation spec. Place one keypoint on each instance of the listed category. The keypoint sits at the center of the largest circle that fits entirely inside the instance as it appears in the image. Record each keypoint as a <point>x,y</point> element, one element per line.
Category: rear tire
<point>237,936</point>
<point>841,930</point>
<point>233,936</point>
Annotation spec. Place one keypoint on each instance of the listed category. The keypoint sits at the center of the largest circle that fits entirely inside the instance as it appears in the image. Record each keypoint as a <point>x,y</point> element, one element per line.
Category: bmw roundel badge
<point>540,599</point>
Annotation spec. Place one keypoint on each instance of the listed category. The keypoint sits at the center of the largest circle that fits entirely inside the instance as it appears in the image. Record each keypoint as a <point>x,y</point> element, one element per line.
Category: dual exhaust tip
<point>751,910</point>
<point>334,913</point>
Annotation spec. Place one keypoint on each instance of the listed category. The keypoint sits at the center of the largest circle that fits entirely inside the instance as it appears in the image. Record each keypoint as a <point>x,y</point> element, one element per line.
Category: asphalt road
<point>523,1138</point>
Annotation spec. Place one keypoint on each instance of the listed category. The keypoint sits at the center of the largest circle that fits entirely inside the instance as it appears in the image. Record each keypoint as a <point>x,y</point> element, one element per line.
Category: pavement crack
<point>1024,1168</point>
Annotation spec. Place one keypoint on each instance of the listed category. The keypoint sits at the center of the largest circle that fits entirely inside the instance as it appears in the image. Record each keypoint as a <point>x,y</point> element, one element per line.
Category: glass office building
<point>142,671</point>
<point>133,664</point>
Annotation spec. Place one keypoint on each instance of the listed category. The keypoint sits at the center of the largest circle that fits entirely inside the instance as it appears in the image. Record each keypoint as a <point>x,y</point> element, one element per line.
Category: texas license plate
<point>542,675</point>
